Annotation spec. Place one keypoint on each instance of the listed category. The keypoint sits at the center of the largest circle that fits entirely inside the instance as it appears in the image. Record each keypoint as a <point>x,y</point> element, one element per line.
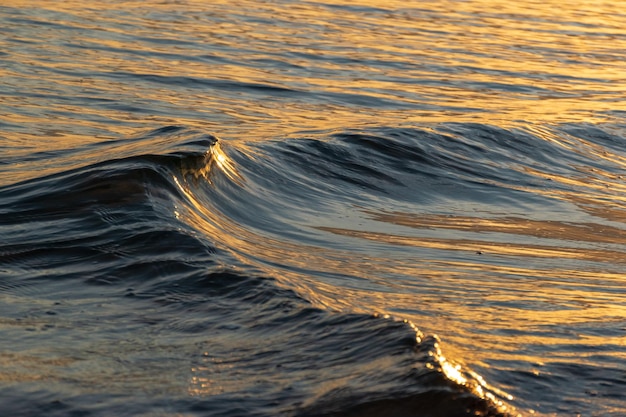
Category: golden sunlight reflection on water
<point>466,299</point>
<point>266,70</point>
<point>486,302</point>
<point>484,61</point>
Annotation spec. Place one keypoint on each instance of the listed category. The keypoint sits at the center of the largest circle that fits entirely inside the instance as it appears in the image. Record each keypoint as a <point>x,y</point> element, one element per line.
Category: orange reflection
<point>550,229</point>
<point>108,70</point>
<point>399,63</point>
<point>480,246</point>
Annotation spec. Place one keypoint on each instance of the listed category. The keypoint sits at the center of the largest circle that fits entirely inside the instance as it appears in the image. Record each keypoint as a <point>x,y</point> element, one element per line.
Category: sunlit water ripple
<point>342,208</point>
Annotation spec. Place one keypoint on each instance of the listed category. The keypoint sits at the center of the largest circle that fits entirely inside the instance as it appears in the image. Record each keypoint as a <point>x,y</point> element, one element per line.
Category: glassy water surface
<point>312,208</point>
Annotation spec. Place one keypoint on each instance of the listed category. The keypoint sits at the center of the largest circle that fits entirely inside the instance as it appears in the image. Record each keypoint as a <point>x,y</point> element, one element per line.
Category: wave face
<point>134,266</point>
<point>280,278</point>
<point>307,209</point>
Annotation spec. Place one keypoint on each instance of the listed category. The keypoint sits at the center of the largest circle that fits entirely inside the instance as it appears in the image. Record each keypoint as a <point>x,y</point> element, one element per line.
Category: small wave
<point>121,231</point>
<point>239,256</point>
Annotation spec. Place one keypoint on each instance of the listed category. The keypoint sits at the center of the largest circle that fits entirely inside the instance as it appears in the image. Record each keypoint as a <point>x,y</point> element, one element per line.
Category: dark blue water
<point>312,209</point>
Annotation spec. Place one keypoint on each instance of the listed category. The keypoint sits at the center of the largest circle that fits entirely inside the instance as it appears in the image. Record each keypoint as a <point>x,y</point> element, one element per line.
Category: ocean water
<point>312,208</point>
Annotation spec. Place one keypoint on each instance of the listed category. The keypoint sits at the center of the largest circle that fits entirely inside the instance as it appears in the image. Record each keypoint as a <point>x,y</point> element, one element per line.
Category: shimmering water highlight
<point>321,208</point>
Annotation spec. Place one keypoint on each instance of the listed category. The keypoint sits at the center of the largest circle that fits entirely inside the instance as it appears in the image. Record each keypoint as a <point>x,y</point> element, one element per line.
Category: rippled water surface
<point>313,208</point>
